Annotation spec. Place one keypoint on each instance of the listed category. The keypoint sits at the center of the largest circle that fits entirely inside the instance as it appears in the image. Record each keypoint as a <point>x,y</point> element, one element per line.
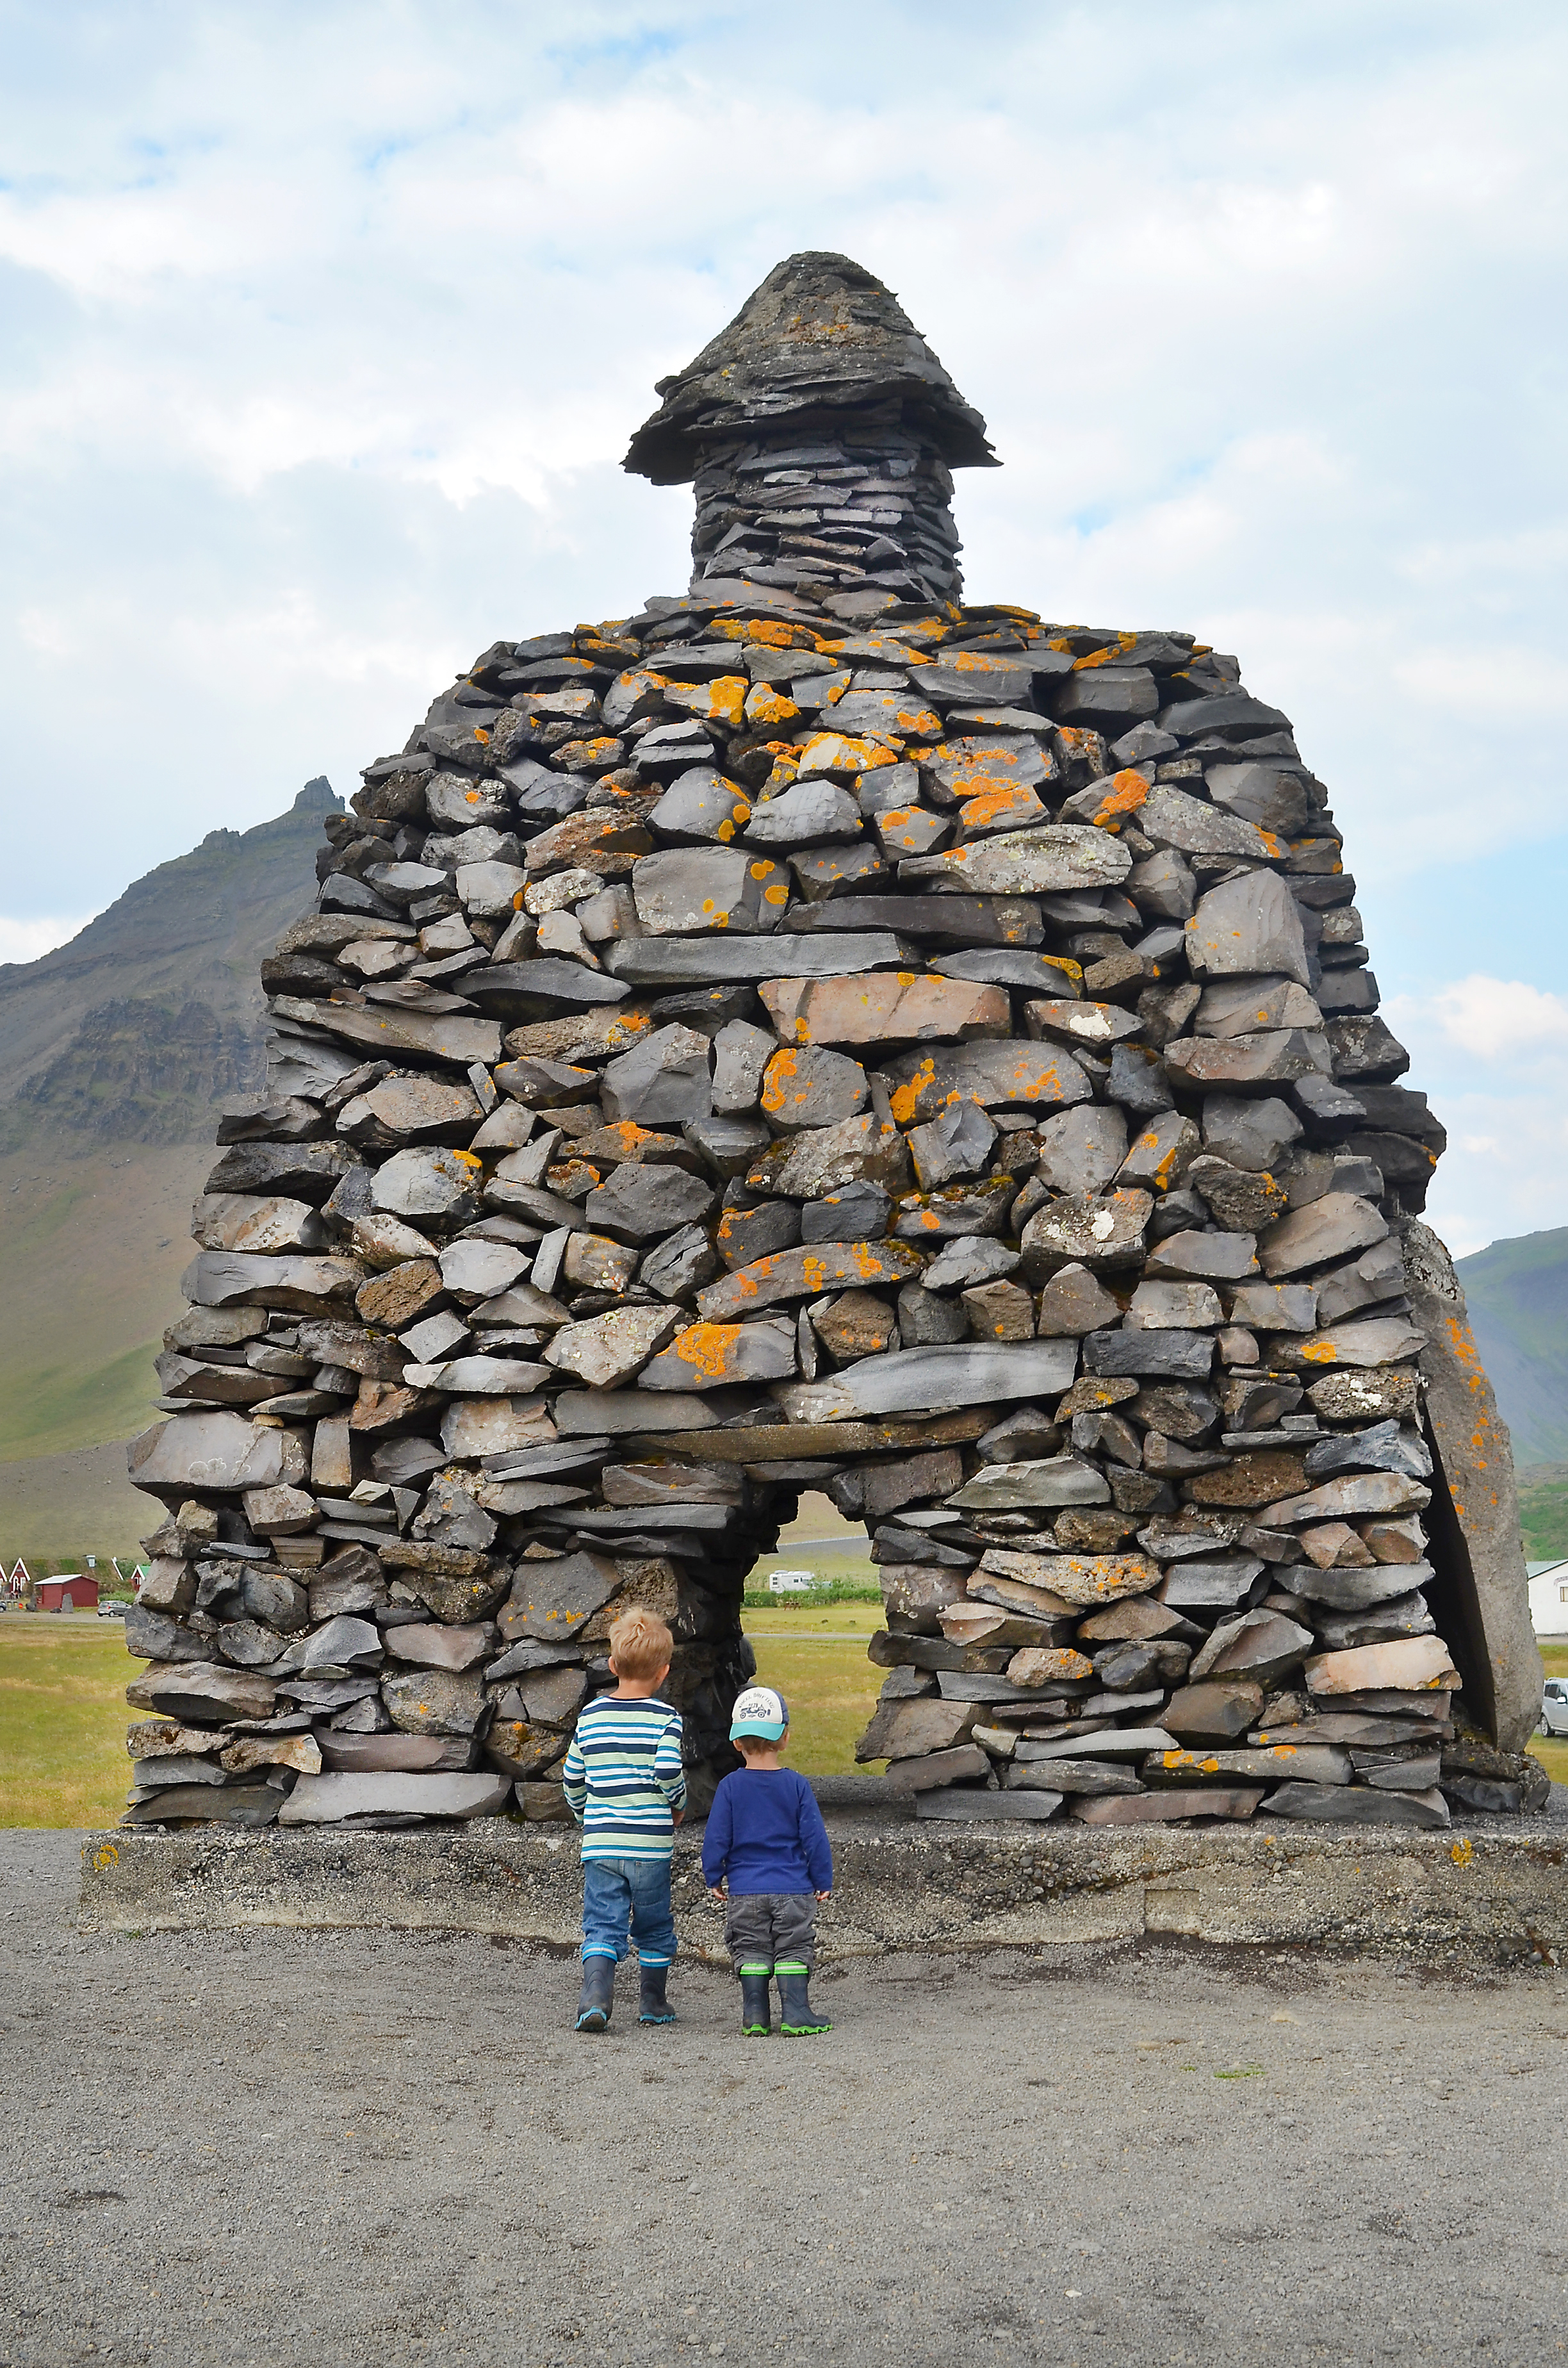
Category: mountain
<point>153,1013</point>
<point>115,1052</point>
<point>1517,1293</point>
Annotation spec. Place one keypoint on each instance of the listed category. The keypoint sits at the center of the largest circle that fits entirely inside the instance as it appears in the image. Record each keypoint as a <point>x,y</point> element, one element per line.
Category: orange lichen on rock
<point>1126,793</point>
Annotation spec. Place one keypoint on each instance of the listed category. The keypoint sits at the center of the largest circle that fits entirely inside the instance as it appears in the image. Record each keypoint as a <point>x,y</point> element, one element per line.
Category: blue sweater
<point>765,1831</point>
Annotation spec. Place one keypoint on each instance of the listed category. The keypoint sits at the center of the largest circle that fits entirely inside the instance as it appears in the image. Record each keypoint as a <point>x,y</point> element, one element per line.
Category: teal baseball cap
<point>759,1710</point>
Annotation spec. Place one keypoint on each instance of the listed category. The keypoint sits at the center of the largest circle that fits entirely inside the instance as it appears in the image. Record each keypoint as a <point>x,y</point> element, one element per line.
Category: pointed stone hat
<point>820,336</point>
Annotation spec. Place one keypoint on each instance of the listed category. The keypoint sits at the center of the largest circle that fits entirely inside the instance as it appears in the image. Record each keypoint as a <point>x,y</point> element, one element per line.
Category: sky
<point>323,330</point>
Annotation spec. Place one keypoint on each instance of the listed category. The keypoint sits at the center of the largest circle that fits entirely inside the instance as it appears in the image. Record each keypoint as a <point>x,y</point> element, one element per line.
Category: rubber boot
<point>796,2018</point>
<point>598,1994</point>
<point>756,2021</point>
<point>652,2006</point>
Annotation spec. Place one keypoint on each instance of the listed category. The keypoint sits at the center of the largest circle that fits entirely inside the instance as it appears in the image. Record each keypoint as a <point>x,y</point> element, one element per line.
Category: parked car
<point>113,1610</point>
<point>1554,1706</point>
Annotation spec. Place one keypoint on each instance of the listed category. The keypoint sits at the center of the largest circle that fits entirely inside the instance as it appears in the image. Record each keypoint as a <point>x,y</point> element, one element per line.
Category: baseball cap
<point>759,1710</point>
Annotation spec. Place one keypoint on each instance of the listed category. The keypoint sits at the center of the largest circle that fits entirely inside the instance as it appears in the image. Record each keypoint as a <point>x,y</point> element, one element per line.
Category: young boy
<point>626,1786</point>
<point>765,1831</point>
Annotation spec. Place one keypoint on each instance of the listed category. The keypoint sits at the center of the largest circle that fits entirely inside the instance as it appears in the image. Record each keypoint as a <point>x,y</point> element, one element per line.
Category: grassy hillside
<point>92,1248</point>
<point>1517,1293</point>
<point>115,1052</point>
<point>1543,1510</point>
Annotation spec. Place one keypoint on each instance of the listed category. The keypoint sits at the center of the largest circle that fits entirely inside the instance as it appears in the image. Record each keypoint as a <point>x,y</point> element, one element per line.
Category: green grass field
<point>815,1654</point>
<point>62,1720</point>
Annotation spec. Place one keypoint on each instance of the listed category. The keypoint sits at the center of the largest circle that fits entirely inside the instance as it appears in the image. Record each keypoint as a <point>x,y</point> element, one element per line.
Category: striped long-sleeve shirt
<point>624,1777</point>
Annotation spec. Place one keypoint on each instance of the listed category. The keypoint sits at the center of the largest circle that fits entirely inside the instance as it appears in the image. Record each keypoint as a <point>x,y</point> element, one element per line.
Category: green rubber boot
<point>796,2018</point>
<point>755,2018</point>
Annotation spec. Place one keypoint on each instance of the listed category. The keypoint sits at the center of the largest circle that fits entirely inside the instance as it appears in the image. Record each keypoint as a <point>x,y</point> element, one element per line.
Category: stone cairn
<point>814,1033</point>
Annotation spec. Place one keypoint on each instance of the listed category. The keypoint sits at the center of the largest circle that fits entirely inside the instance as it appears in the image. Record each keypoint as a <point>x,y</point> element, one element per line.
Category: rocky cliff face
<point>154,1013</point>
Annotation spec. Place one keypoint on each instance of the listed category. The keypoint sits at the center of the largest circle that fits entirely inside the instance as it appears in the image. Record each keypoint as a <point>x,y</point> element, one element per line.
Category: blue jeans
<point>618,1891</point>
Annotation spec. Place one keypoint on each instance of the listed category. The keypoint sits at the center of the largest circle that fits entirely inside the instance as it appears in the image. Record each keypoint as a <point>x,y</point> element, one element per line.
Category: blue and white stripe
<point>625,1779</point>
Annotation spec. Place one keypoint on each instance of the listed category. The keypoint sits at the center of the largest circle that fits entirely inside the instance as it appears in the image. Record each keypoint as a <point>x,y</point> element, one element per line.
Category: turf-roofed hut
<point>814,1034</point>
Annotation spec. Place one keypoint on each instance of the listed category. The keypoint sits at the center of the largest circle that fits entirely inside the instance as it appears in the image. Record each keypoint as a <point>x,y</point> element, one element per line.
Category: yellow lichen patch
<point>1461,1853</point>
<point>836,752</point>
<point>1275,848</point>
<point>776,895</point>
<point>1127,792</point>
<point>906,1097</point>
<point>782,1071</point>
<point>1001,801</point>
<point>761,870</point>
<point>628,1134</point>
<point>708,1349</point>
<point>727,700</point>
<point>768,709</point>
<point>1112,654</point>
<point>1320,1352</point>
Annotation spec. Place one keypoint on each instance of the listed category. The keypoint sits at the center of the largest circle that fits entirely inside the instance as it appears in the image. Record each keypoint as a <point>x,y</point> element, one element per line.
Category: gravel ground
<point>272,2147</point>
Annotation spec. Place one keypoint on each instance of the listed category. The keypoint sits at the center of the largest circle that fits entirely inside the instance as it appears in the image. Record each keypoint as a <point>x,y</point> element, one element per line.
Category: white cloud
<point>327,326</point>
<point>24,942</point>
<point>1491,1018</point>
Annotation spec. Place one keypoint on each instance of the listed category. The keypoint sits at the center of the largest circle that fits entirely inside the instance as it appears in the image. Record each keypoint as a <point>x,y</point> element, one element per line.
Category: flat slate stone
<point>1086,1580</point>
<point>975,921</point>
<point>722,960</point>
<point>370,1754</point>
<point>1049,1480</point>
<point>584,1413</point>
<point>221,1452</point>
<point>511,988</point>
<point>1413,1663</point>
<point>1160,1808</point>
<point>953,1374</point>
<point>805,1272</point>
<point>386,1031</point>
<point>885,1008</point>
<point>329,1799</point>
<point>996,1075</point>
<point>967,1804</point>
<point>1352,1804</point>
<point>1030,862</point>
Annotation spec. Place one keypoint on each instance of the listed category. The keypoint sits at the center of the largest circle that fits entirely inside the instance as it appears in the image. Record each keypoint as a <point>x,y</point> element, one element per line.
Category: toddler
<point>626,1786</point>
<point>765,1832</point>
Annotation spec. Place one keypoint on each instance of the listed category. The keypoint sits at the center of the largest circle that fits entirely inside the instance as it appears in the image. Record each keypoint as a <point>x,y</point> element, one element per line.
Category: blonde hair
<point>640,1644</point>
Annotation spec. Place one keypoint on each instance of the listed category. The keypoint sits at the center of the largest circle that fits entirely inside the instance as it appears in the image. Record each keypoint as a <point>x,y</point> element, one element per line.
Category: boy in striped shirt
<point>626,1786</point>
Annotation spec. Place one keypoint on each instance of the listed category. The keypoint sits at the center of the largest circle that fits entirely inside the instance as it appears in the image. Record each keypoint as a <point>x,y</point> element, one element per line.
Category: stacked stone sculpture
<point>815,1034</point>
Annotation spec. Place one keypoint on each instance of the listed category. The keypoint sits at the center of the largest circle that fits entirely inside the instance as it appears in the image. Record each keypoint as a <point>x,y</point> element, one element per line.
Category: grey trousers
<point>771,1928</point>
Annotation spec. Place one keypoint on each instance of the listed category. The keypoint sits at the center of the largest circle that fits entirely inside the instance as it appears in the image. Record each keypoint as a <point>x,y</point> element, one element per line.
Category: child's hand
<point>825,1894</point>
<point>678,1816</point>
<point>716,1891</point>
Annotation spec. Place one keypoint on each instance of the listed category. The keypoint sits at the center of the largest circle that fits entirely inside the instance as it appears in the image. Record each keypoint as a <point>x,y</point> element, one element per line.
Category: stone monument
<point>815,1034</point>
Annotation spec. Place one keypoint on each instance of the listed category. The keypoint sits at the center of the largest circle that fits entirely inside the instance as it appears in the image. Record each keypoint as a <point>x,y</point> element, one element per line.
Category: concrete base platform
<point>1493,1886</point>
